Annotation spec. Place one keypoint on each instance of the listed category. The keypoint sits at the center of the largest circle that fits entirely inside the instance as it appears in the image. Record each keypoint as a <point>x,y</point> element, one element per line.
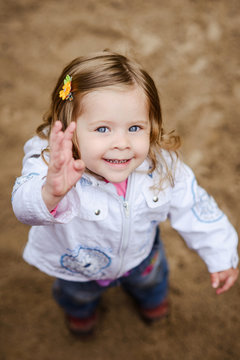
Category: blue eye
<point>134,128</point>
<point>102,129</point>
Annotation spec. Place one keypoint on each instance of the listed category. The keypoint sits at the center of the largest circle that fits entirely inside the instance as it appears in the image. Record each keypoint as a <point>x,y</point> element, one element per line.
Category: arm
<point>27,201</point>
<point>205,228</point>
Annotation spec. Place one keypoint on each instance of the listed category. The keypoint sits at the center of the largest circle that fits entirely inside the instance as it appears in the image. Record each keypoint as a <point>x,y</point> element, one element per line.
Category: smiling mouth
<point>116,161</point>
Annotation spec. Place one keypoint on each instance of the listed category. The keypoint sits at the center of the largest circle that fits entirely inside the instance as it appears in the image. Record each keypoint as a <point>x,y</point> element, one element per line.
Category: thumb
<point>215,280</point>
<point>79,165</point>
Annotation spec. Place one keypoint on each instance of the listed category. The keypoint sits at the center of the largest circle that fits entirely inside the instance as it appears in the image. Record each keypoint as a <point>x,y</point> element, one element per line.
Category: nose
<point>121,141</point>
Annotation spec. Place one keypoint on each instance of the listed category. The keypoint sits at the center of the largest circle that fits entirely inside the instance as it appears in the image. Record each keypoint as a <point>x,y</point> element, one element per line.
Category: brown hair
<point>102,70</point>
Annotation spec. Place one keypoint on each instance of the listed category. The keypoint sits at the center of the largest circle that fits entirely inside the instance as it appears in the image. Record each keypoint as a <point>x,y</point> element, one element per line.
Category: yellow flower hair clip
<point>65,93</point>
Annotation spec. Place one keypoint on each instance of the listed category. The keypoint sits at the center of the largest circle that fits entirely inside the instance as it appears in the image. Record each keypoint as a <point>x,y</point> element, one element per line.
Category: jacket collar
<point>88,179</point>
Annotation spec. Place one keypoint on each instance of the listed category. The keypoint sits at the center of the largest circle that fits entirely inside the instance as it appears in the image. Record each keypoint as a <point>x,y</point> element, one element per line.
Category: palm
<point>64,171</point>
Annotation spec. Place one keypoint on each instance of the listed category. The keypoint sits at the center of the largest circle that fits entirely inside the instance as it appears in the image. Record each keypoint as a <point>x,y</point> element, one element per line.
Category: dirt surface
<point>191,48</point>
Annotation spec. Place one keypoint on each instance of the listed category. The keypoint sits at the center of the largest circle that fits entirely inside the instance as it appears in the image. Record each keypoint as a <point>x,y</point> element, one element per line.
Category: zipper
<point>125,223</point>
<point>126,208</point>
<point>125,212</point>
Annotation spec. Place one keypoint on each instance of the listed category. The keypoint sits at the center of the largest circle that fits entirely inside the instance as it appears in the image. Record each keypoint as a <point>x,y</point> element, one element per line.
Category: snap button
<point>97,212</point>
<point>155,199</point>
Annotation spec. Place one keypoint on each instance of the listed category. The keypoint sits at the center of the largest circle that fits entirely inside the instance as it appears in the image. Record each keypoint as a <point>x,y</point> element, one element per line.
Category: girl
<point>98,178</point>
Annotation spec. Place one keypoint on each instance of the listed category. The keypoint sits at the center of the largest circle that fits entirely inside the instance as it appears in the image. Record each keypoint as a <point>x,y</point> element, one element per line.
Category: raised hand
<point>63,171</point>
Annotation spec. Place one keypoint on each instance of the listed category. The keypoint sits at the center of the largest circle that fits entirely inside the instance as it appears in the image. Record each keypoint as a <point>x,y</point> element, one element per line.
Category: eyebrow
<point>142,122</point>
<point>104,121</point>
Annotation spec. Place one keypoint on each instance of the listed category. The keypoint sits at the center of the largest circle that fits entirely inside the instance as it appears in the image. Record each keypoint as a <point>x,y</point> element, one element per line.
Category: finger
<point>58,161</point>
<point>78,175</point>
<point>55,129</point>
<point>227,285</point>
<point>56,154</point>
<point>68,134</point>
<point>79,165</point>
<point>56,137</point>
<point>57,125</point>
<point>66,144</point>
<point>60,142</point>
<point>215,280</point>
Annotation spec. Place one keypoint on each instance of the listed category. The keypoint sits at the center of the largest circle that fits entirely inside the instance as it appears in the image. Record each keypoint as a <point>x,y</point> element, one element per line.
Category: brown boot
<point>79,326</point>
<point>156,313</point>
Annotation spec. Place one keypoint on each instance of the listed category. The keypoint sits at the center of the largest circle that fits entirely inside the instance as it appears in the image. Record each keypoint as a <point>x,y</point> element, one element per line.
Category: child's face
<point>113,132</point>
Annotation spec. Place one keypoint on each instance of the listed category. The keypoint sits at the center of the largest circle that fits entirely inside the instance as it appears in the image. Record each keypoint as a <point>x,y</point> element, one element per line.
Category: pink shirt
<point>121,187</point>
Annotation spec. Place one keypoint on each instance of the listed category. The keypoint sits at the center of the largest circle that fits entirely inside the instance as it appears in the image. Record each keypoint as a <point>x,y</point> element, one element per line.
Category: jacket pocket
<point>158,203</point>
<point>93,205</point>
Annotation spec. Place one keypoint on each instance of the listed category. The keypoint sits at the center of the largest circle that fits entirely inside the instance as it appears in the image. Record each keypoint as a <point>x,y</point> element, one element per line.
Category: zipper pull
<point>126,208</point>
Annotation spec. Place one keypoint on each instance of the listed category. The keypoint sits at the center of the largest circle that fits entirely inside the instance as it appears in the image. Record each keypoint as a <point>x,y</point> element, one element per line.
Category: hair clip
<point>65,93</point>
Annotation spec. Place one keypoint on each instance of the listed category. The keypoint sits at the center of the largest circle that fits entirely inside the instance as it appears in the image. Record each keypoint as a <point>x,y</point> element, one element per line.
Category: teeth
<point>117,161</point>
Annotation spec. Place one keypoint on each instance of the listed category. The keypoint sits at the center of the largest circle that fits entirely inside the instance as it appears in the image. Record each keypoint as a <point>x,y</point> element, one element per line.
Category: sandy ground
<point>192,50</point>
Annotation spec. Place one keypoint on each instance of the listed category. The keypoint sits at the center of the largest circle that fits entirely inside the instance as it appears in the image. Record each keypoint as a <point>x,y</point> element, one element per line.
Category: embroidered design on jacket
<point>85,182</point>
<point>21,180</point>
<point>85,261</point>
<point>205,208</point>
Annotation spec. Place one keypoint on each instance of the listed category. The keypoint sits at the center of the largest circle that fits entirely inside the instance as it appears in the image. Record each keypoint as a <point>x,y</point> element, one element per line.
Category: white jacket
<point>95,234</point>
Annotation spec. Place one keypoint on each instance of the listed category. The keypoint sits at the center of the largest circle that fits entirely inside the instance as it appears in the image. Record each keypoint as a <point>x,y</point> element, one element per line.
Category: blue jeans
<point>147,283</point>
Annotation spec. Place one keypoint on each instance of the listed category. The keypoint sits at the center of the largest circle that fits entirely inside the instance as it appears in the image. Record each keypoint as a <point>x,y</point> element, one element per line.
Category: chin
<point>116,179</point>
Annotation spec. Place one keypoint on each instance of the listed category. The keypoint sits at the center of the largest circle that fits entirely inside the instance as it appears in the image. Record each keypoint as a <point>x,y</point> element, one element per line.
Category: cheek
<point>146,151</point>
<point>82,147</point>
<point>144,145</point>
<point>90,149</point>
